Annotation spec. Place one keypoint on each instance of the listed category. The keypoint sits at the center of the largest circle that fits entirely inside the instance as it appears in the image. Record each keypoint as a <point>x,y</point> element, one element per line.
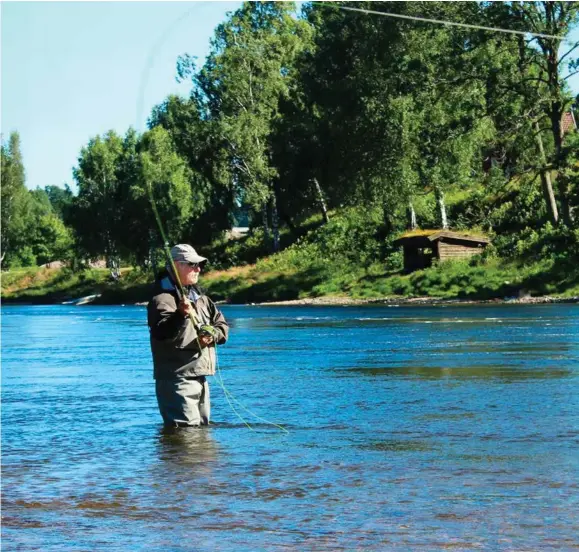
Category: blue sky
<point>72,70</point>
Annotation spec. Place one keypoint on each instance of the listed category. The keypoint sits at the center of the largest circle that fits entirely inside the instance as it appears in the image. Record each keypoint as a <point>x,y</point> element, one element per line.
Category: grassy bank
<point>262,282</point>
<point>350,257</point>
<point>50,285</point>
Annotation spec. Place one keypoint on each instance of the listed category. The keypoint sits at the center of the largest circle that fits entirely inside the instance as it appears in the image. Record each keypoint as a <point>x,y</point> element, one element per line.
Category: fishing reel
<point>207,330</point>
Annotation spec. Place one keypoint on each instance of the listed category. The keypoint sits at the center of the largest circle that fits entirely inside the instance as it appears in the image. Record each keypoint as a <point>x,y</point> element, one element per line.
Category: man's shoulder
<point>162,296</point>
<point>162,284</point>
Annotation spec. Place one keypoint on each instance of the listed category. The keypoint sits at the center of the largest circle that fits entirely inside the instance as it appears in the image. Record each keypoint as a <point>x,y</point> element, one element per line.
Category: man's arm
<point>164,319</point>
<point>219,323</point>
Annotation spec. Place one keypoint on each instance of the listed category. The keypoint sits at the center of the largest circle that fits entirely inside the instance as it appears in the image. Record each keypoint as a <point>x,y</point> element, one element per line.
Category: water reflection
<point>187,447</point>
<point>480,371</point>
<point>391,445</point>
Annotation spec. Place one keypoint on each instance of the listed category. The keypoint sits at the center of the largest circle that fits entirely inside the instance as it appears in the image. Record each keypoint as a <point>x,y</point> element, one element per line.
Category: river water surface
<point>410,428</point>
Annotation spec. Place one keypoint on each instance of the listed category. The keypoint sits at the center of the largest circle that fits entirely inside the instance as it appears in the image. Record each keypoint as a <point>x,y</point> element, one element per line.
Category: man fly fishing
<point>185,326</point>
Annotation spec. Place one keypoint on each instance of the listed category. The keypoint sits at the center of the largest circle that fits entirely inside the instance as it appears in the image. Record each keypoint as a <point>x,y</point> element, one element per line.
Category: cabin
<point>236,232</point>
<point>568,122</point>
<point>422,247</point>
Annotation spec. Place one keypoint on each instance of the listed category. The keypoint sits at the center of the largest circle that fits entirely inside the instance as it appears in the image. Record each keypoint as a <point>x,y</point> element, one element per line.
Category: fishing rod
<point>193,316</point>
<point>197,323</point>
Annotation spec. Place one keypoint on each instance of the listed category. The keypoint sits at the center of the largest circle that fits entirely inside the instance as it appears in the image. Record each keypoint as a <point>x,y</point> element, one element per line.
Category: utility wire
<point>438,21</point>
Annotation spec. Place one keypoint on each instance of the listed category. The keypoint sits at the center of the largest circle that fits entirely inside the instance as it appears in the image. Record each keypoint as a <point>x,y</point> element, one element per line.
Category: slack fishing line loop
<point>151,59</point>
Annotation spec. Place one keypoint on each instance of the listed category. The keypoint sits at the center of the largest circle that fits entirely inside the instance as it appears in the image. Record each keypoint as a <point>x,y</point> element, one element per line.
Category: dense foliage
<point>332,132</point>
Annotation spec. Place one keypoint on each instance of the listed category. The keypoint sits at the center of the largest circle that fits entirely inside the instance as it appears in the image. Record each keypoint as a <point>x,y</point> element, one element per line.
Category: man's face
<point>188,272</point>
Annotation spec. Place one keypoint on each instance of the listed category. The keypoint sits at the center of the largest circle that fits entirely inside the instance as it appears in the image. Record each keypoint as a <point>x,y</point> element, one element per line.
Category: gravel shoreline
<point>348,301</point>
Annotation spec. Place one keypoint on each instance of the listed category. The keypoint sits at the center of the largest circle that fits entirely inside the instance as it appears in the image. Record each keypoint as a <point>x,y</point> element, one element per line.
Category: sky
<point>73,70</point>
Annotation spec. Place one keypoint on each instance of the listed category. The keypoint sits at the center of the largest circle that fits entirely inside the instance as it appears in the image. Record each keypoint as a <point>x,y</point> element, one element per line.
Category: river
<point>407,428</point>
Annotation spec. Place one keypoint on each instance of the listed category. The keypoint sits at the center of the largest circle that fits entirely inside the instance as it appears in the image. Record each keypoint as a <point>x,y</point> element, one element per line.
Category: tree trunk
<point>411,217</point>
<point>265,223</point>
<point>564,191</point>
<point>114,266</point>
<point>556,107</point>
<point>546,182</point>
<point>439,195</point>
<point>556,115</point>
<point>321,200</point>
<point>563,187</point>
<point>274,223</point>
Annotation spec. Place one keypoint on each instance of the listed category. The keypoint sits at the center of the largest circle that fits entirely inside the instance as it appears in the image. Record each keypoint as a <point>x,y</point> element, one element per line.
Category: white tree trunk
<point>441,208</point>
<point>411,217</point>
<point>321,200</point>
<point>546,184</point>
<point>114,266</point>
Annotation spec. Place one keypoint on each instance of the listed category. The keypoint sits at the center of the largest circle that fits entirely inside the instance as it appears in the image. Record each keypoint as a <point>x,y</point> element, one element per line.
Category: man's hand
<point>205,340</point>
<point>185,307</point>
<point>206,335</point>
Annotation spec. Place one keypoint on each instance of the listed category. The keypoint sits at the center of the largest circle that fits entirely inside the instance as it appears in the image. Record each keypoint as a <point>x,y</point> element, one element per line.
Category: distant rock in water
<point>82,300</point>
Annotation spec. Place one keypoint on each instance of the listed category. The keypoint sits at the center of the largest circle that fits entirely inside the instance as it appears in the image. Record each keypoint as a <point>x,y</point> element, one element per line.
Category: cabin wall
<point>417,258</point>
<point>449,251</point>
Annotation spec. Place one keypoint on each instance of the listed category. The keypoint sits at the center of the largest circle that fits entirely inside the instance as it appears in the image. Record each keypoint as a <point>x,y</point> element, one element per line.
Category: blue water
<point>410,428</point>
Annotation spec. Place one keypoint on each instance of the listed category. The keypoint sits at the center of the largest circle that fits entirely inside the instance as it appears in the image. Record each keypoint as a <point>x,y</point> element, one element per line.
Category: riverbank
<point>249,285</point>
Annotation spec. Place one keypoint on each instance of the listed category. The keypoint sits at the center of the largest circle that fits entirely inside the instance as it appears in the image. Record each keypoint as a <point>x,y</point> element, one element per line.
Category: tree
<point>164,178</point>
<point>47,237</point>
<point>239,89</point>
<point>97,216</point>
<point>193,138</point>
<point>533,88</point>
<point>553,18</point>
<point>387,122</point>
<point>14,195</point>
<point>60,199</point>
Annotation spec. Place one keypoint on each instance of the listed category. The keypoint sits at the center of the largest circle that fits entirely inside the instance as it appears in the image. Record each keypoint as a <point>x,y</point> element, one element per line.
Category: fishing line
<point>150,60</point>
<point>437,21</point>
<point>219,379</point>
<point>193,316</point>
<point>140,106</point>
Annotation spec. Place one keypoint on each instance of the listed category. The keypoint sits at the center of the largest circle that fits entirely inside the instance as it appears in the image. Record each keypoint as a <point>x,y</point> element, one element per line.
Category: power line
<point>439,21</point>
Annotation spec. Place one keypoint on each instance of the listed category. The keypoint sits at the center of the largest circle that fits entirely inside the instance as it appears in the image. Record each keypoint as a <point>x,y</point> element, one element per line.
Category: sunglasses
<point>195,265</point>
